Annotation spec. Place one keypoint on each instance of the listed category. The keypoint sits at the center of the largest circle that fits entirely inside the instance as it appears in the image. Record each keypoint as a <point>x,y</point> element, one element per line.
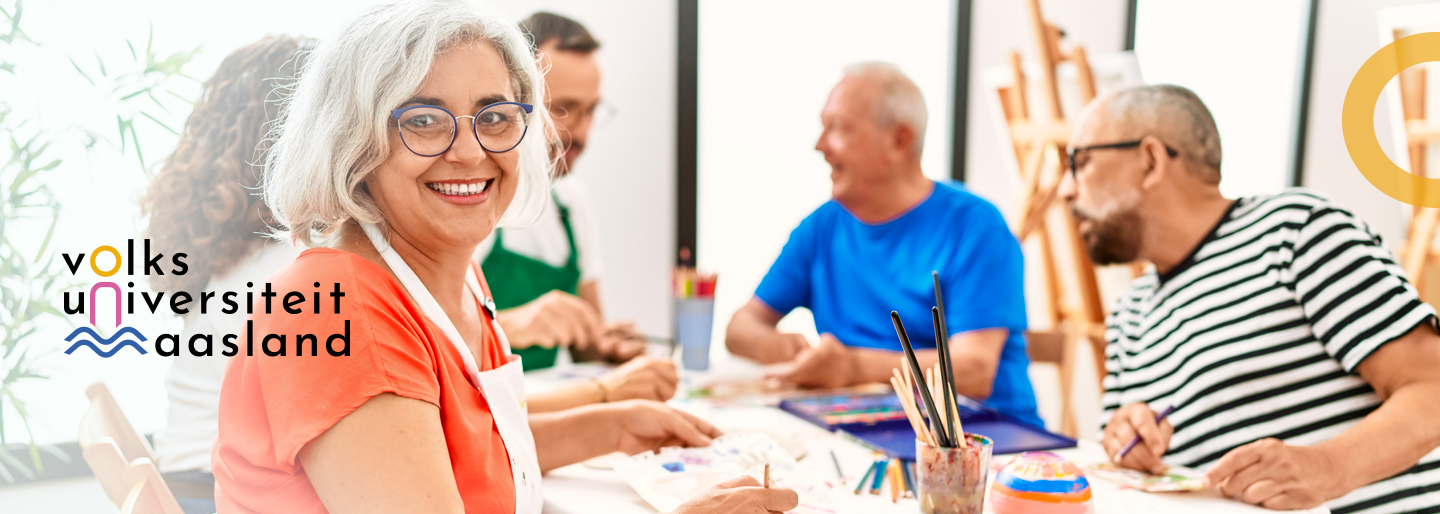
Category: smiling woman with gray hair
<point>412,133</point>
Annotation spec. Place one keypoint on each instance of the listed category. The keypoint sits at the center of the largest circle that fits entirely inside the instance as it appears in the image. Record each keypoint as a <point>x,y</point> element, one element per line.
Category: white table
<point>578,489</point>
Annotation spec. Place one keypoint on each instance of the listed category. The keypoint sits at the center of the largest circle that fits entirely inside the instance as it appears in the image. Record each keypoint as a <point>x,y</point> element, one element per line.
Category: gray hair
<point>334,131</point>
<point>900,99</point>
<point>1175,115</point>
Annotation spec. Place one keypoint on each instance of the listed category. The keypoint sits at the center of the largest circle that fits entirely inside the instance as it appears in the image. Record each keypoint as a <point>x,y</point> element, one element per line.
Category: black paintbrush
<point>940,435</point>
<point>947,388</point>
<point>943,343</point>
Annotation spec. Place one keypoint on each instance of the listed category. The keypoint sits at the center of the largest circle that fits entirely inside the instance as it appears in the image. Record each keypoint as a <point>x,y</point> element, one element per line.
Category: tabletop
<point>582,488</point>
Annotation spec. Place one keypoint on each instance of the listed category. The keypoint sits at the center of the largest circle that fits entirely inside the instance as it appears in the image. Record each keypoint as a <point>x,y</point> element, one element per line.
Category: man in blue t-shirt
<point>871,249</point>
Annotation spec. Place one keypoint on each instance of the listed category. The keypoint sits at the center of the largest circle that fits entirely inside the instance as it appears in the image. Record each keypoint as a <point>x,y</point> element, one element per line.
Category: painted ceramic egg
<point>1040,483</point>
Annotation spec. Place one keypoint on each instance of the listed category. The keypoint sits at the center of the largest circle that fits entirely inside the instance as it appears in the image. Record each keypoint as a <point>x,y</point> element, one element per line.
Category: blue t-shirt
<point>851,275</point>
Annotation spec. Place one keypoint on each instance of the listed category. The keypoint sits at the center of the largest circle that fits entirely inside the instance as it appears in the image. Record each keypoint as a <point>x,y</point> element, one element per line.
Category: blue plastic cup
<point>694,321</point>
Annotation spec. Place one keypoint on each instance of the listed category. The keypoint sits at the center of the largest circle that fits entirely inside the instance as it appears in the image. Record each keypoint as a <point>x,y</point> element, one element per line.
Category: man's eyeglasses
<point>1075,152</point>
<point>600,114</point>
<point>428,130</point>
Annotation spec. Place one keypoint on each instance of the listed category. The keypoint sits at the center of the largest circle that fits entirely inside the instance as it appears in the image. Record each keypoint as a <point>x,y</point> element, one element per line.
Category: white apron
<point>502,387</point>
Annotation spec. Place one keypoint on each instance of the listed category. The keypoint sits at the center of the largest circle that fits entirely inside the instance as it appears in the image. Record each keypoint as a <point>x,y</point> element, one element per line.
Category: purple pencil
<point>1136,440</point>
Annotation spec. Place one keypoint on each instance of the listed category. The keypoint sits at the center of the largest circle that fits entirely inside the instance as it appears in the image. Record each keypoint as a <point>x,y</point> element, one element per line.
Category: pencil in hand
<point>767,475</point>
<point>1158,418</point>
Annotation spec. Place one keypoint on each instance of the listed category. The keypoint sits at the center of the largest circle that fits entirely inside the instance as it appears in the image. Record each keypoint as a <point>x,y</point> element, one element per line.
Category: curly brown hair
<point>205,201</point>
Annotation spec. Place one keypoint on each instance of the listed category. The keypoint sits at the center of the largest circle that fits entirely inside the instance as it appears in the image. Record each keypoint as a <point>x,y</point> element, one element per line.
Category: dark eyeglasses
<point>1074,152</point>
<point>428,130</point>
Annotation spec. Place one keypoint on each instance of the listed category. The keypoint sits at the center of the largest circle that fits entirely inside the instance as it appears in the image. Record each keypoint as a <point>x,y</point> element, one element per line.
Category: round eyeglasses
<point>428,130</point>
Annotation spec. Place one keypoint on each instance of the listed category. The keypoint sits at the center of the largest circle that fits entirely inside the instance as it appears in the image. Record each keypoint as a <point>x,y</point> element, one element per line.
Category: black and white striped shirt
<point>1257,334</point>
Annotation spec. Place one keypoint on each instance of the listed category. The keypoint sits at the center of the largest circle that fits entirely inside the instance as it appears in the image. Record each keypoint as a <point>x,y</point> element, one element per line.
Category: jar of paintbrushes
<point>951,466</point>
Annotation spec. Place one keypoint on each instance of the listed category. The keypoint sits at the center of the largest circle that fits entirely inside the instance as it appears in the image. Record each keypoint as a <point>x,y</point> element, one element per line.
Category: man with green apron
<point>545,278</point>
<point>521,279</point>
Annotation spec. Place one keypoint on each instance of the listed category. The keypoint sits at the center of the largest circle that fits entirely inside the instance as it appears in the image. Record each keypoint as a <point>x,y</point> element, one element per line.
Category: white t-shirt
<point>193,383</point>
<point>545,240</point>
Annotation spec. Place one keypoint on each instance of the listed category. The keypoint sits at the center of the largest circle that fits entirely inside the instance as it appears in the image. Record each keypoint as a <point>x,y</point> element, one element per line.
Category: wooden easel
<point>1418,252</point>
<point>1075,309</point>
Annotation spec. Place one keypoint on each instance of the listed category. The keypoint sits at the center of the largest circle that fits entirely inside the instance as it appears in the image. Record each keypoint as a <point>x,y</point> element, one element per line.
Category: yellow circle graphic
<point>1357,119</point>
<point>96,253</point>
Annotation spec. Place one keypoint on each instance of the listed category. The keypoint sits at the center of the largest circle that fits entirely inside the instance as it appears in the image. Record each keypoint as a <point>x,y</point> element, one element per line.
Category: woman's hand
<point>621,342</point>
<point>645,425</point>
<point>643,378</point>
<point>742,495</point>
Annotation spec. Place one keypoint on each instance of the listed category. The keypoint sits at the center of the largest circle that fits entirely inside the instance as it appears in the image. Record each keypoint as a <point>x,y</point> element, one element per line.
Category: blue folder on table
<point>878,421</point>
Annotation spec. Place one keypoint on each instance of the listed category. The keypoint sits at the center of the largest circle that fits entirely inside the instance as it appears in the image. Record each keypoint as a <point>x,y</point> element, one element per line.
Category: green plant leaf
<point>45,244</point>
<point>138,153</point>
<point>182,98</point>
<point>82,72</point>
<point>133,95</point>
<point>158,122</point>
<point>121,123</point>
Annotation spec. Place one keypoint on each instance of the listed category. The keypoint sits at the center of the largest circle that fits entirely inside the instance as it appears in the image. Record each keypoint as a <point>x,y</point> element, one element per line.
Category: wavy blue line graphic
<point>105,341</point>
<point>105,354</point>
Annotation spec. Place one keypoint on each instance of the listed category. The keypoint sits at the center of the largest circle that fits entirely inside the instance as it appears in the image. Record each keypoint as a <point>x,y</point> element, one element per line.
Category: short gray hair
<point>1175,115</point>
<point>900,99</point>
<point>334,131</point>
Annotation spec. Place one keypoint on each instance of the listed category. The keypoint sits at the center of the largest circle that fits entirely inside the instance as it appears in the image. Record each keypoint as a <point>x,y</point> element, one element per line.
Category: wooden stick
<point>767,475</point>
<point>940,423</point>
<point>907,402</point>
<point>910,382</point>
<point>911,414</point>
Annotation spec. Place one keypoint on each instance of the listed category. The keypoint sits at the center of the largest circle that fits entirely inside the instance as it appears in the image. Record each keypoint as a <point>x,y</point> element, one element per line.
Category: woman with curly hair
<point>205,202</point>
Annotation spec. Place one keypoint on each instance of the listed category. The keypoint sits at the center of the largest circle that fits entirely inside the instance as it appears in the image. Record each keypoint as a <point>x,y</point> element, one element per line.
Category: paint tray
<point>878,421</point>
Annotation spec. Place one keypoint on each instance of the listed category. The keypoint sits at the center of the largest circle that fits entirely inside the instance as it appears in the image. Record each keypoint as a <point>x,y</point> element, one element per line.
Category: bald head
<point>1172,113</point>
<point>897,99</point>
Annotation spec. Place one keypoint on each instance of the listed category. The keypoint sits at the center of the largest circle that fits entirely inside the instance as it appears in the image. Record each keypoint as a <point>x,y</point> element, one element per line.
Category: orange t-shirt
<point>271,406</point>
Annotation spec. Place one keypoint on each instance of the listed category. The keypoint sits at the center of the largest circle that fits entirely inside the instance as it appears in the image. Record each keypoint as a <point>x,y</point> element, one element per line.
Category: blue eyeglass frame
<point>395,114</point>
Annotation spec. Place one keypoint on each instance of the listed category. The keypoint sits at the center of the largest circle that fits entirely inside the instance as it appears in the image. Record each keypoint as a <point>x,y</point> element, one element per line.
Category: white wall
<point>1247,76</point>
<point>766,69</point>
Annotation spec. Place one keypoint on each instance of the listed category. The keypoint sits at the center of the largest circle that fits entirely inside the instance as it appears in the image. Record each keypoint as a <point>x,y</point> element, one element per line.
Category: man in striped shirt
<point>1302,367</point>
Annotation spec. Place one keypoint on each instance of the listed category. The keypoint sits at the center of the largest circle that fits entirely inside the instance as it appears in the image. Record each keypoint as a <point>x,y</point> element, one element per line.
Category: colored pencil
<point>1136,440</point>
<point>866,477</point>
<point>880,465</point>
<point>838,472</point>
<point>909,477</point>
<point>894,481</point>
<point>767,475</point>
<point>925,395</point>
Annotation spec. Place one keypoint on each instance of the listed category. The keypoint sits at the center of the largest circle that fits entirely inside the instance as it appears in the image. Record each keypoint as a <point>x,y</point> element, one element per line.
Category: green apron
<point>517,279</point>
